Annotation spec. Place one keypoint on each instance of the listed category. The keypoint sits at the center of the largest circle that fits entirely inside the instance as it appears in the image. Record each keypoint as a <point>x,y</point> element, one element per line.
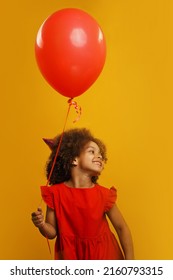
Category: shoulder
<point>106,190</point>
<point>56,187</point>
<point>51,189</point>
<point>109,195</point>
<point>49,193</point>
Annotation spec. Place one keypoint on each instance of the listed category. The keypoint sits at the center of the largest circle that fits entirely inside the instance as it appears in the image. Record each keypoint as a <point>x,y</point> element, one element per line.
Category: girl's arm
<point>123,231</point>
<point>48,228</point>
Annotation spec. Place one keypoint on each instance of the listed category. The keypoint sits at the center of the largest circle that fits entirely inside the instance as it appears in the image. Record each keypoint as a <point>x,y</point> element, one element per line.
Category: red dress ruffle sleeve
<point>111,198</point>
<point>47,196</point>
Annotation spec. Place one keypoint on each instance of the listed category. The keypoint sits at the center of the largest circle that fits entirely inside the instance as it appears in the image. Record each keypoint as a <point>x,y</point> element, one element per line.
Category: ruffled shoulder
<point>110,198</point>
<point>47,196</point>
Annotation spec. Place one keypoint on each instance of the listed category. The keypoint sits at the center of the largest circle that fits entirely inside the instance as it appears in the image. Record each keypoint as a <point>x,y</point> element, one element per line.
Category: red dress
<point>83,230</point>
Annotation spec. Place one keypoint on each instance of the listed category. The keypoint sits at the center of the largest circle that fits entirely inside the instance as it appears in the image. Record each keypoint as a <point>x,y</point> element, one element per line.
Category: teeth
<point>98,163</point>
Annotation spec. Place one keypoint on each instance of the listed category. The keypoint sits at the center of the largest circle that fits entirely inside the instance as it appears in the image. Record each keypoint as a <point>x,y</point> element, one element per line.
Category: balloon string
<point>71,102</point>
<point>53,165</point>
<point>60,141</point>
<point>78,111</point>
<point>48,244</point>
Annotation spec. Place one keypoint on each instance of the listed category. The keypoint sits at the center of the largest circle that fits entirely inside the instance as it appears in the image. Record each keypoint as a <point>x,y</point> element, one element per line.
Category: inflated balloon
<point>70,51</point>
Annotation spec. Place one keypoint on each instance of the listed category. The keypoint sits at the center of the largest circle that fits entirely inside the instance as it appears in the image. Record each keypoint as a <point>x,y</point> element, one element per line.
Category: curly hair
<point>73,142</point>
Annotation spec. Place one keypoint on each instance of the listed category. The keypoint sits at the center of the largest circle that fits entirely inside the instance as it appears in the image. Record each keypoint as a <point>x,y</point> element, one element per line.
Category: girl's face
<point>90,159</point>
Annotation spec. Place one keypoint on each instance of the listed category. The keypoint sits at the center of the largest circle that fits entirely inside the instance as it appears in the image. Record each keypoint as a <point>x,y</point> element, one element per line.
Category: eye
<point>91,151</point>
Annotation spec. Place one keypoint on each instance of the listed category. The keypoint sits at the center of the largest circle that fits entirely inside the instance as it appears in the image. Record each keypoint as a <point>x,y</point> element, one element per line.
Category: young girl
<point>77,206</point>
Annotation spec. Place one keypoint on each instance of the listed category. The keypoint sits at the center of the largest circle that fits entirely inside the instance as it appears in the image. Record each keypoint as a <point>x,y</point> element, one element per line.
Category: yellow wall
<point>129,107</point>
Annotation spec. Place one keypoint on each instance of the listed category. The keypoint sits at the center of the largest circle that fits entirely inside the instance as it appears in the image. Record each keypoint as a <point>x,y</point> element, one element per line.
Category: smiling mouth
<point>98,163</point>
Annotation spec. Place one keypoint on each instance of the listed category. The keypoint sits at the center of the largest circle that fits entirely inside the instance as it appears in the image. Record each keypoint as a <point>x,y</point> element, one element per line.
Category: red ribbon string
<point>73,103</point>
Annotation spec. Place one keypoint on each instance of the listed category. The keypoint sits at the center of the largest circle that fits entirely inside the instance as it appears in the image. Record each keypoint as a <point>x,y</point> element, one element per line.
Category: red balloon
<point>70,51</point>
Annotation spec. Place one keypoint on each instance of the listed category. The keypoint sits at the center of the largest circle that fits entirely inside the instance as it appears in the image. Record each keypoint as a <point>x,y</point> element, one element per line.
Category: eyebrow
<point>95,148</point>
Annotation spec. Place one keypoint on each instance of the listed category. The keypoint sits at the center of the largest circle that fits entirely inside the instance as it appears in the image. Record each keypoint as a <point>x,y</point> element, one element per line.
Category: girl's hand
<point>38,218</point>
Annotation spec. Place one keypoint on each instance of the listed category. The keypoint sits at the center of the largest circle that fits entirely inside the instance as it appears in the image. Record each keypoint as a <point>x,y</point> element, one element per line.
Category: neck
<point>77,182</point>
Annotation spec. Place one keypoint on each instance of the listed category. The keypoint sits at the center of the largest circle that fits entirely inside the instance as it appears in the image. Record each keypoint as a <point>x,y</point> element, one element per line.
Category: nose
<point>99,156</point>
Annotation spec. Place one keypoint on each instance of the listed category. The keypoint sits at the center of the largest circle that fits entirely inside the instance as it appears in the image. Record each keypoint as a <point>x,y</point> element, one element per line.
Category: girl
<point>77,206</point>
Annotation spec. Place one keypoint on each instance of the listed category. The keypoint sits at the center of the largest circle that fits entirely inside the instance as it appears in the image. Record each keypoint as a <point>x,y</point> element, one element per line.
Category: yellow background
<point>129,107</point>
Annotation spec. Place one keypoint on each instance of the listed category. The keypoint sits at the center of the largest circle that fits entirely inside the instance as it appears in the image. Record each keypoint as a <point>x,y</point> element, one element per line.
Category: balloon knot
<point>77,108</point>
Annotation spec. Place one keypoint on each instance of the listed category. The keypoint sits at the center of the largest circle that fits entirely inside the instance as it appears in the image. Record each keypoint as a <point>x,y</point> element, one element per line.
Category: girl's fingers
<point>37,217</point>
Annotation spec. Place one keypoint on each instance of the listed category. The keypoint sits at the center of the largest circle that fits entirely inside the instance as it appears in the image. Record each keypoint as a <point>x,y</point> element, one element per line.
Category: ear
<point>75,162</point>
